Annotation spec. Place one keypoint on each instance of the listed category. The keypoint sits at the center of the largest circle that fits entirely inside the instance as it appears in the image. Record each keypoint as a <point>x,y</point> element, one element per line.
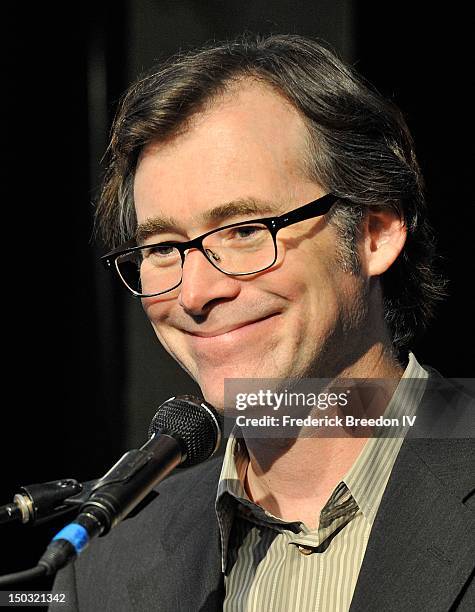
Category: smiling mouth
<point>227,330</point>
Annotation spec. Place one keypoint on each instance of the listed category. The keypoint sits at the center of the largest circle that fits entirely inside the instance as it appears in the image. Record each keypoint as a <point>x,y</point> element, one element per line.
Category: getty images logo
<point>276,400</point>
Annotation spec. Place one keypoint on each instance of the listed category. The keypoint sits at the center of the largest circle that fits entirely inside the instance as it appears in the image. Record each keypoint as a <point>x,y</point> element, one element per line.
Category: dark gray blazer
<point>420,555</point>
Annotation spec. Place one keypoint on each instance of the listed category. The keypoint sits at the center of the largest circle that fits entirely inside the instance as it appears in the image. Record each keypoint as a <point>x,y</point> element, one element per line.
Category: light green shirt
<point>280,566</point>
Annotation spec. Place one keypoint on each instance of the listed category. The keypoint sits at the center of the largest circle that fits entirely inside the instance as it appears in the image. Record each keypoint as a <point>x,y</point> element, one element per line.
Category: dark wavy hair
<point>359,147</point>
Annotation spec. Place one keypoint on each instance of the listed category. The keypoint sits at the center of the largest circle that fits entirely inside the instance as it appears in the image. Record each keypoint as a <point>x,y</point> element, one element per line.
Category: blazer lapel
<point>421,549</point>
<point>182,558</point>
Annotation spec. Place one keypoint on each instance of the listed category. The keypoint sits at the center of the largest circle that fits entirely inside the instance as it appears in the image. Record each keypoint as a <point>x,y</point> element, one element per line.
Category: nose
<point>202,284</point>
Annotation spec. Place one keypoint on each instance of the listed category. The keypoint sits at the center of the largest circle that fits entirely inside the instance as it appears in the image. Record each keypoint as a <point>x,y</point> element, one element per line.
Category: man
<point>327,273</point>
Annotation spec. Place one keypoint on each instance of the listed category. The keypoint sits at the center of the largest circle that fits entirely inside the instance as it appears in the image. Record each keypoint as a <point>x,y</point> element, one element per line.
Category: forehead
<point>249,144</point>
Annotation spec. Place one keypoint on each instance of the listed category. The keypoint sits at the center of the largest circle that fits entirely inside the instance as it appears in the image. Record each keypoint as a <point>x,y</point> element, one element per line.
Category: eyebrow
<point>245,206</point>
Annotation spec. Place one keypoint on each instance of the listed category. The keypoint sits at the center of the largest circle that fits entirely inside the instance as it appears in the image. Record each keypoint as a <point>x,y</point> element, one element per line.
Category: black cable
<point>30,574</point>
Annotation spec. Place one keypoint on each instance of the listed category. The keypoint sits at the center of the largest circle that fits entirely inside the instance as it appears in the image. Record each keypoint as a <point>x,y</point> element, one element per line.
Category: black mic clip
<point>41,502</point>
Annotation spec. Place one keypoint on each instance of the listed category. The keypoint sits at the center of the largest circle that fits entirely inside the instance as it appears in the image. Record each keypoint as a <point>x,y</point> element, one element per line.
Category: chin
<point>214,395</point>
<point>222,395</point>
<point>214,387</point>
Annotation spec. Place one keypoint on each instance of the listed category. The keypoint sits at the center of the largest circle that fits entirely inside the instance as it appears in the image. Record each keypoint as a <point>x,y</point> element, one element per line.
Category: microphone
<point>185,431</point>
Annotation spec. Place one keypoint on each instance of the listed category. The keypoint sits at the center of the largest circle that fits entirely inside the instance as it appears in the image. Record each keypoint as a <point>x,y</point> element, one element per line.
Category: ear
<point>384,234</point>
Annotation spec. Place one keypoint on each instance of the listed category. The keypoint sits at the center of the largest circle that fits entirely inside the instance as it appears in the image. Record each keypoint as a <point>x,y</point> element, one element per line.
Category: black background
<point>68,331</point>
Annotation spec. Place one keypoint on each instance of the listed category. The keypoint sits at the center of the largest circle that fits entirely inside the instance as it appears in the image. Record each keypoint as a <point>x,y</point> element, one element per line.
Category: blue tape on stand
<point>75,534</point>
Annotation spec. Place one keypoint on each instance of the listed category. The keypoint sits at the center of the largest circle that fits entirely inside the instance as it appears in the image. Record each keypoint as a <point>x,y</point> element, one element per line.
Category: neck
<point>293,478</point>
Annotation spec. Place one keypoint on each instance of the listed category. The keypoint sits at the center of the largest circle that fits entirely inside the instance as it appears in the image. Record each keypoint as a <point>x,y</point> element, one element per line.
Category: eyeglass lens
<point>244,249</point>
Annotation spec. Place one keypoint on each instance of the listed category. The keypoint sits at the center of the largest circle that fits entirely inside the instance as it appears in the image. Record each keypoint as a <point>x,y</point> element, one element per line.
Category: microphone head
<point>193,422</point>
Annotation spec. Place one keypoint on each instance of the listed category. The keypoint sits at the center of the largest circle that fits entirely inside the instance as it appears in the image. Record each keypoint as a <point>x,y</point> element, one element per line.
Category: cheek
<point>309,283</point>
<point>158,308</point>
<point>171,340</point>
<point>317,304</point>
<point>158,312</point>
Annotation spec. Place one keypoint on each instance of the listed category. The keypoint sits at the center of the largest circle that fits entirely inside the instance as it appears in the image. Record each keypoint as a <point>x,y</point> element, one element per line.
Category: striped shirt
<point>279,566</point>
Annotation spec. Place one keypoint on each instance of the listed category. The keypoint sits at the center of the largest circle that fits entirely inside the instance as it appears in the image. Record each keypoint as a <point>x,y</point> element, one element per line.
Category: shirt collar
<point>368,476</point>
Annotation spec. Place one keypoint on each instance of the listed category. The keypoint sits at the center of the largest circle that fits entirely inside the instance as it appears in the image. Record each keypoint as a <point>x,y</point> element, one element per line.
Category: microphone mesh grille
<point>191,421</point>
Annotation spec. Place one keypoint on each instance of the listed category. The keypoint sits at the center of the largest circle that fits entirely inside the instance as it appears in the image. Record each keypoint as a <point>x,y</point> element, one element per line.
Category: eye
<point>160,255</point>
<point>244,233</point>
<point>247,231</point>
<point>159,251</point>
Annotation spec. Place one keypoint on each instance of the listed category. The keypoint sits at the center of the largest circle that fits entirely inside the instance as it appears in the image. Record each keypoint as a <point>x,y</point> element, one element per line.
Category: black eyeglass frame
<point>316,208</point>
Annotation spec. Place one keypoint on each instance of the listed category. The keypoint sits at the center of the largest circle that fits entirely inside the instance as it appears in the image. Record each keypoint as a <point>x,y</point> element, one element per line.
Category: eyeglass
<point>239,249</point>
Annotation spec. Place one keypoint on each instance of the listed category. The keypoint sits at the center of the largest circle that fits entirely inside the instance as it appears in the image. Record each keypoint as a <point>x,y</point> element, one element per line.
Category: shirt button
<point>305,550</point>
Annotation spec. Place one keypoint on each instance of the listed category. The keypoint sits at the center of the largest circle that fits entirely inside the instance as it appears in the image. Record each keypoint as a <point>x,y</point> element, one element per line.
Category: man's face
<point>290,320</point>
